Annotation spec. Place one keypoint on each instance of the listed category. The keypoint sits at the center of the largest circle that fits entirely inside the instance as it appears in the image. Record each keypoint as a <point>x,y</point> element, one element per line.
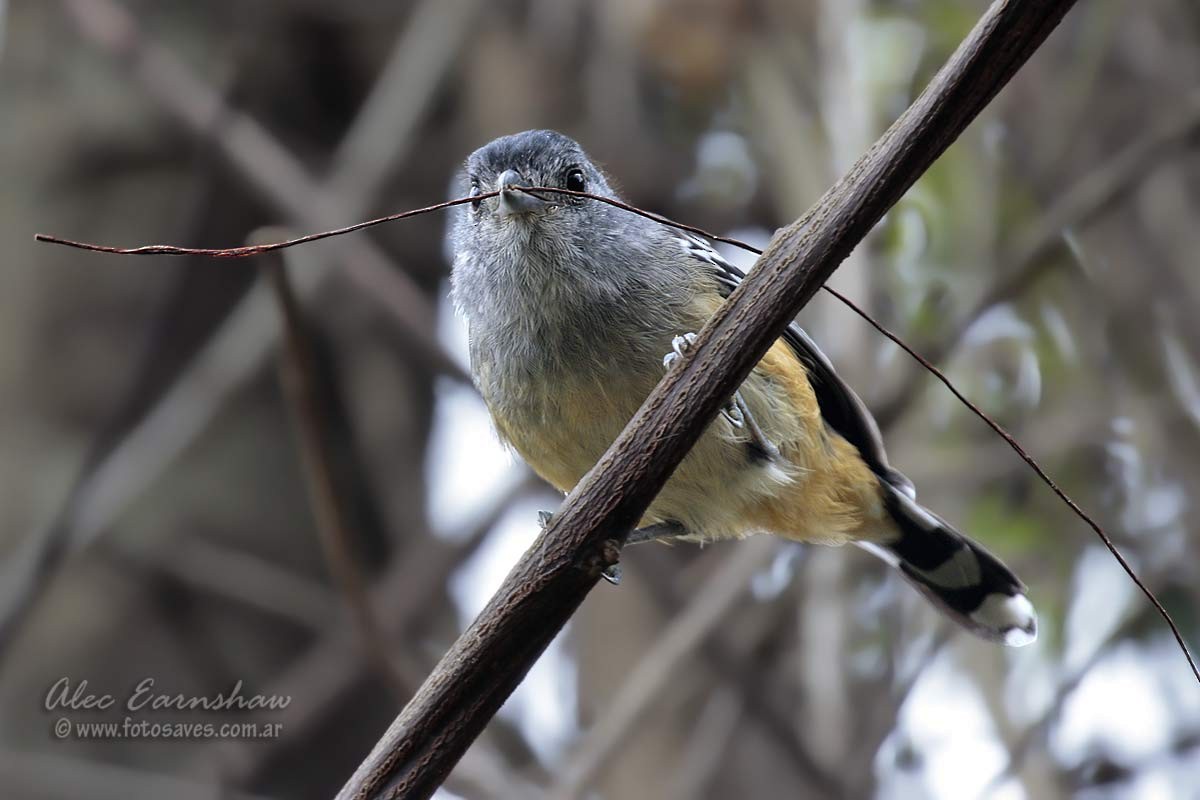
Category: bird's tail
<point>965,581</point>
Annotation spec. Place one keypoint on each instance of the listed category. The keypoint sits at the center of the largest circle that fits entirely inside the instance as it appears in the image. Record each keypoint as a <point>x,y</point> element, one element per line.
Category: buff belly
<point>818,490</point>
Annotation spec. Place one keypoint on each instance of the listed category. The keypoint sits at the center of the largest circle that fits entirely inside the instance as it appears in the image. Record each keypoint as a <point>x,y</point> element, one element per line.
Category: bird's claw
<point>612,574</point>
<point>658,532</point>
<point>679,345</point>
<point>735,410</point>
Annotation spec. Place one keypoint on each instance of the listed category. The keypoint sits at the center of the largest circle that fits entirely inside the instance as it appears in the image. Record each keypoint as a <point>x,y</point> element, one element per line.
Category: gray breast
<point>542,313</point>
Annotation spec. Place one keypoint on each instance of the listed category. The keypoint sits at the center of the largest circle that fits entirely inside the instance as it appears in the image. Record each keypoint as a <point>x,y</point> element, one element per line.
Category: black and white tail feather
<point>957,575</point>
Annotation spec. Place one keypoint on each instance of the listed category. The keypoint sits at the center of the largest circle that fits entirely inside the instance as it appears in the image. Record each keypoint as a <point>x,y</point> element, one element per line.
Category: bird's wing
<point>842,409</point>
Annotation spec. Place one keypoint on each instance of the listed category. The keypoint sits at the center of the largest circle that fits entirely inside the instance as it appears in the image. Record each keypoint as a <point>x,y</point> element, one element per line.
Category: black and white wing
<point>842,409</point>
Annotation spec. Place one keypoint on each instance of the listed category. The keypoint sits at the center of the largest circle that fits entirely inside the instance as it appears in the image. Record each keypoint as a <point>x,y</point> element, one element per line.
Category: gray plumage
<point>572,304</point>
<point>545,301</point>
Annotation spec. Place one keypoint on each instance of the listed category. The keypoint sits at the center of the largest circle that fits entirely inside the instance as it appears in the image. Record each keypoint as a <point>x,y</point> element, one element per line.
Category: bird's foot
<point>658,532</point>
<point>764,446</point>
<point>736,412</point>
<point>612,574</point>
<point>679,346</point>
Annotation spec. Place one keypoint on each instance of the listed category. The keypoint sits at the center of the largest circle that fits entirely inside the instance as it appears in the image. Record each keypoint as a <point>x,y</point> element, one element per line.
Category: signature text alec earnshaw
<point>63,695</point>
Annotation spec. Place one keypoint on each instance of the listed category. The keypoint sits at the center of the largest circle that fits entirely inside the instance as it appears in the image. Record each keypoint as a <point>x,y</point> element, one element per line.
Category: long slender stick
<point>248,250</point>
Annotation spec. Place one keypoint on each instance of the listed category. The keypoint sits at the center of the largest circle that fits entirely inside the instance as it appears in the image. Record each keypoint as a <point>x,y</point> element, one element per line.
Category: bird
<point>574,308</point>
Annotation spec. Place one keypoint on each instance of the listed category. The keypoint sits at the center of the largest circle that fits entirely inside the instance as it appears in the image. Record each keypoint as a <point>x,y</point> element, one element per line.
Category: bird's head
<point>532,158</point>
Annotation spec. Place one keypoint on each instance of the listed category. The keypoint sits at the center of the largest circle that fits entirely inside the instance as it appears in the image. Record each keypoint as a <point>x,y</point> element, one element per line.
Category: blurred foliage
<point>198,562</point>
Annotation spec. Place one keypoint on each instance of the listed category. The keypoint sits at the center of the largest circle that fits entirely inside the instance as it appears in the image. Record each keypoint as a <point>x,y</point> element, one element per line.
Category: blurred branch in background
<point>1035,733</point>
<point>298,374</point>
<point>270,169</point>
<point>39,774</point>
<point>668,661</point>
<point>246,579</point>
<point>715,728</point>
<point>333,664</point>
<point>1034,252</point>
<point>385,130</point>
<point>237,349</point>
<point>198,123</point>
<point>755,701</point>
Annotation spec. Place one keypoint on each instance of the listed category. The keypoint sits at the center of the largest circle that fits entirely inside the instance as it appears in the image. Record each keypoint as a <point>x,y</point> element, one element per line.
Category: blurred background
<point>154,518</point>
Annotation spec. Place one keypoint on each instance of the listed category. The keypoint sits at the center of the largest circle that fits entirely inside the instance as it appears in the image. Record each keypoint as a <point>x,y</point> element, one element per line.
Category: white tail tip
<point>1011,616</point>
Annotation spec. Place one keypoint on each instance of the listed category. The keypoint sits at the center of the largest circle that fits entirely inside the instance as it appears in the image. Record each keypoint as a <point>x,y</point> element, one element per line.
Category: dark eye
<point>475,189</point>
<point>575,180</point>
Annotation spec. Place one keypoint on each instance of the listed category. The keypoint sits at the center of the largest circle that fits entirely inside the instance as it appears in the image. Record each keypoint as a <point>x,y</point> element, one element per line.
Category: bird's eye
<point>475,190</point>
<point>576,182</point>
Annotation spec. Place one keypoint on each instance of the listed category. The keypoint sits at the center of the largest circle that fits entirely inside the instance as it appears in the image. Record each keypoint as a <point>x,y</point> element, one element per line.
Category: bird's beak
<point>513,202</point>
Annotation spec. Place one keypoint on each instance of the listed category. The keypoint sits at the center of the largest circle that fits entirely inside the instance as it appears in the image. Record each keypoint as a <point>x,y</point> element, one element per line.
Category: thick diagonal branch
<point>542,592</point>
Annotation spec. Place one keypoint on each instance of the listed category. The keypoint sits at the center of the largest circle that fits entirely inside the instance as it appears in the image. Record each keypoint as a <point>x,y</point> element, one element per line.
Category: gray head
<point>554,282</point>
<point>542,279</point>
<point>532,158</point>
<point>521,225</point>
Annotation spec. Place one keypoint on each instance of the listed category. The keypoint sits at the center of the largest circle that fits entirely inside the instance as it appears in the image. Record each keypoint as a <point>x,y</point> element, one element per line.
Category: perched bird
<point>575,308</point>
